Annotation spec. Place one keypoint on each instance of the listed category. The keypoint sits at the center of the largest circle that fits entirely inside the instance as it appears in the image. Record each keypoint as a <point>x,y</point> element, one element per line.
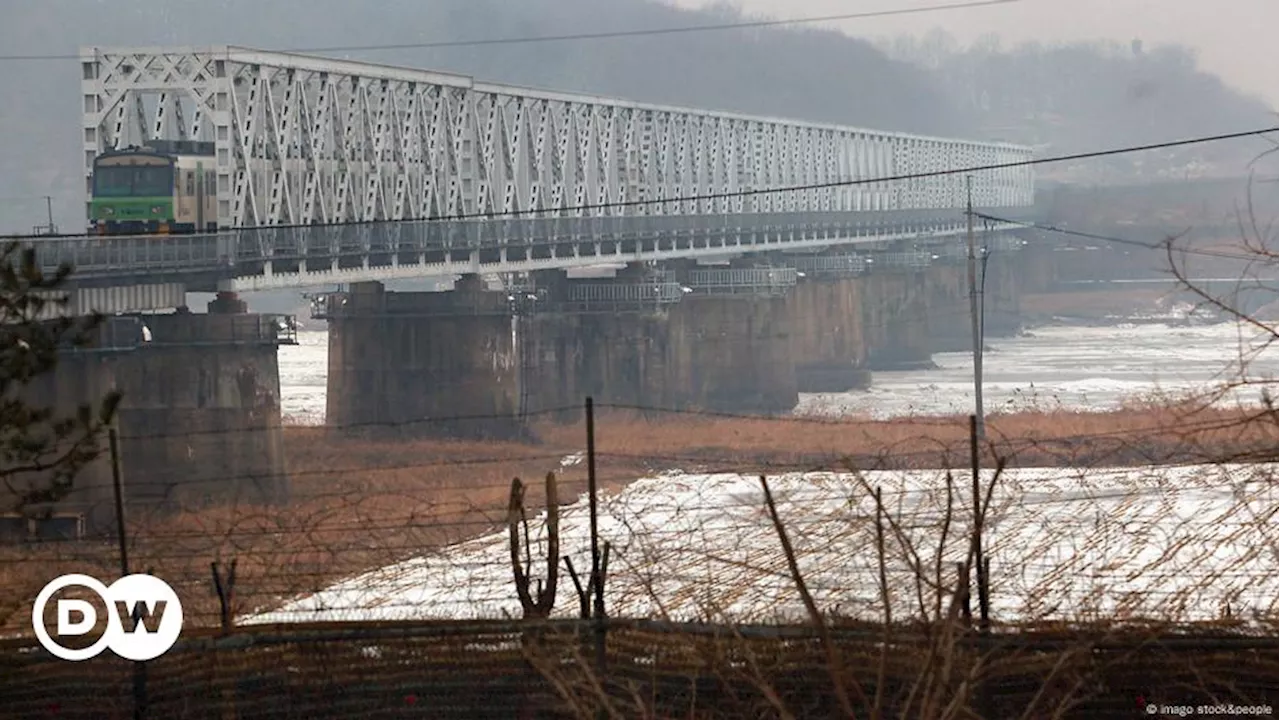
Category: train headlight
<point>108,211</point>
<point>157,210</point>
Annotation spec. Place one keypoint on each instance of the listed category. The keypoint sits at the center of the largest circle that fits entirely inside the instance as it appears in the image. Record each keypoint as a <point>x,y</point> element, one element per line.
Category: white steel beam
<point>305,140</point>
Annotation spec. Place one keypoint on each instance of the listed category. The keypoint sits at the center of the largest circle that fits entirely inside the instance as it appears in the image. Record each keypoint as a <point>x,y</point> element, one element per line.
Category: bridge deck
<point>271,258</point>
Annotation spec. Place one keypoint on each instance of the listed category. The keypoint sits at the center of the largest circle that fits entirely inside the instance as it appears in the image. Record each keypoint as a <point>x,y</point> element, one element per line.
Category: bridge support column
<point>896,319</point>
<point>1002,295</point>
<point>199,417</point>
<point>425,363</point>
<point>629,358</point>
<point>740,353</point>
<point>645,339</point>
<point>610,339</point>
<point>228,303</point>
<point>950,328</point>
<point>1001,292</point>
<point>828,338</point>
<point>201,410</point>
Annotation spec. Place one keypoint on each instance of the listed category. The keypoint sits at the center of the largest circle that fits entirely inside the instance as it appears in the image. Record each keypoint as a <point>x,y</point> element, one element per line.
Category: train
<point>165,187</point>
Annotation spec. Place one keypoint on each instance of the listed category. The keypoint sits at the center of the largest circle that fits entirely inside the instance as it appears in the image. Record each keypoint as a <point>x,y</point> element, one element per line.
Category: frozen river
<point>1055,366</point>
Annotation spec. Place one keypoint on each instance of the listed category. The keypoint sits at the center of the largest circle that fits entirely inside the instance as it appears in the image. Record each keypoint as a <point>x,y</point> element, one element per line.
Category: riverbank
<point>359,504</point>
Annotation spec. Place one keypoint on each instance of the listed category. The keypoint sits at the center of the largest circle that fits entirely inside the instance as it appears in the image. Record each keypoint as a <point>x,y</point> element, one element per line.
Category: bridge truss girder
<point>303,140</point>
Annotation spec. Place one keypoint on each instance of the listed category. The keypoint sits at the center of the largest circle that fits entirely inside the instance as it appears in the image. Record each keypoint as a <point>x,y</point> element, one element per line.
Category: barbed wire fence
<point>405,553</point>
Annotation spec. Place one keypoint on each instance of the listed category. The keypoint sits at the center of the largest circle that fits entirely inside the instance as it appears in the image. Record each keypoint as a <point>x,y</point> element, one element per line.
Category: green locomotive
<point>165,187</point>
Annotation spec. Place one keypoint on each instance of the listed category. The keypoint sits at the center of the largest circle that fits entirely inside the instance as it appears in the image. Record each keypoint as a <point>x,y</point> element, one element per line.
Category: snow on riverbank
<point>1172,542</point>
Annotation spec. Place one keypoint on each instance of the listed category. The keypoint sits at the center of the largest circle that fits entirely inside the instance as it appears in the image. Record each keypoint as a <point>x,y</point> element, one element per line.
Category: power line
<point>600,35</point>
<point>1116,240</point>
<point>754,192</point>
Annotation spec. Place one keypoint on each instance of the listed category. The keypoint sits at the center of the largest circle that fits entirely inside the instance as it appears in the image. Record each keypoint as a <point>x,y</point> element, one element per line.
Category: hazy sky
<point>1234,39</point>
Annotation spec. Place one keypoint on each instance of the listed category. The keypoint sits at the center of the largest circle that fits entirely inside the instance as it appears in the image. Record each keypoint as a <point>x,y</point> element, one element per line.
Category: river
<point>1052,366</point>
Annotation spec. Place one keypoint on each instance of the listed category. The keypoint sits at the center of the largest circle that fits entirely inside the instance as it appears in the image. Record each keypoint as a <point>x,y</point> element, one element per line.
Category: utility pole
<point>49,229</point>
<point>975,310</point>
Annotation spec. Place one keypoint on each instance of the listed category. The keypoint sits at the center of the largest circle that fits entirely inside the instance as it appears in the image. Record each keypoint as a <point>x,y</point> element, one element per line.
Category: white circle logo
<point>144,617</point>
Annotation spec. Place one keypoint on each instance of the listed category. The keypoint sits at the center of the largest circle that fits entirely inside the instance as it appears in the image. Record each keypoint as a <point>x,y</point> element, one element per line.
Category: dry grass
<point>1137,434</point>
<point>356,504</point>
<point>360,503</point>
<point>363,503</point>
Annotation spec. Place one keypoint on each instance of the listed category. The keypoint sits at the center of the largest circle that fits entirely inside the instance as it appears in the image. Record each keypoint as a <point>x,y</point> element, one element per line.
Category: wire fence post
<point>596,580</point>
<point>224,587</point>
<point>117,484</point>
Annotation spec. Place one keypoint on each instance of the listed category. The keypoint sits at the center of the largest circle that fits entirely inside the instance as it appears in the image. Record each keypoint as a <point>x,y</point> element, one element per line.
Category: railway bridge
<point>744,259</point>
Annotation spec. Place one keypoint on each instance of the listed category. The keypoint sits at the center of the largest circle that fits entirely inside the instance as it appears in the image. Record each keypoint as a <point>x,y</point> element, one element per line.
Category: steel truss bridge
<point>333,171</point>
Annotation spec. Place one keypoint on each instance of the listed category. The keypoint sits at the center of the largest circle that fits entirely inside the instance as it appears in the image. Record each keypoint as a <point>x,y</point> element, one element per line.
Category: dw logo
<point>143,604</point>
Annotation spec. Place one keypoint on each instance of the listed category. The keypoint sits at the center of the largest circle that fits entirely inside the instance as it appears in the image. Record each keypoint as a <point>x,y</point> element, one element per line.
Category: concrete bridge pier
<point>200,413</point>
<point>608,338</point>
<point>1006,270</point>
<point>895,315</point>
<point>950,327</point>
<point>738,324</point>
<point>425,363</point>
<point>686,337</point>
<point>828,337</point>
<point>199,417</point>
<point>1002,294</point>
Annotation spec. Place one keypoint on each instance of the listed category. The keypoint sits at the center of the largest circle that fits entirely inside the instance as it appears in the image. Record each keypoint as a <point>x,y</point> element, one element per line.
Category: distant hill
<point>1060,99</point>
<point>1081,97</point>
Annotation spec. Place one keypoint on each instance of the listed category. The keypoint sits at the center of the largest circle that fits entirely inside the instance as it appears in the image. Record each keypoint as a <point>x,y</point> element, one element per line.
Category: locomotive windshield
<point>114,180</point>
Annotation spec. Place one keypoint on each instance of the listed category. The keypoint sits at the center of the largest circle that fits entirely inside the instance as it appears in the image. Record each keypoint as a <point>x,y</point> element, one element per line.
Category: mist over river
<point>1053,366</point>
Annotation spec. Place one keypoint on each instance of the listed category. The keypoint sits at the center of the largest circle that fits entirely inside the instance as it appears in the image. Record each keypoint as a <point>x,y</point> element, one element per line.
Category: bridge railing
<point>830,265</point>
<point>913,260</point>
<point>747,281</point>
<point>664,292</point>
<point>647,294</point>
<point>114,334</point>
<point>240,253</point>
<point>93,254</point>
<point>267,243</point>
<point>219,329</point>
<point>130,332</point>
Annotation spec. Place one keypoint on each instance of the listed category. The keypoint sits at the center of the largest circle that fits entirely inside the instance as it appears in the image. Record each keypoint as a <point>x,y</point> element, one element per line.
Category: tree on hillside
<point>41,450</point>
